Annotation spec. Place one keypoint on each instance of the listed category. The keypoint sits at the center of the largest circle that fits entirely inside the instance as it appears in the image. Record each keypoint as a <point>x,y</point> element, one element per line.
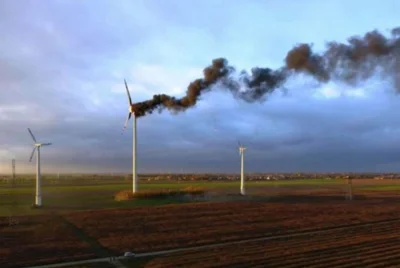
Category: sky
<point>62,66</point>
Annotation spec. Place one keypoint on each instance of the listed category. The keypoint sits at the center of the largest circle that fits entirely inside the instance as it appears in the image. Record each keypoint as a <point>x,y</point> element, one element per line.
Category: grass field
<point>82,220</point>
<point>67,195</point>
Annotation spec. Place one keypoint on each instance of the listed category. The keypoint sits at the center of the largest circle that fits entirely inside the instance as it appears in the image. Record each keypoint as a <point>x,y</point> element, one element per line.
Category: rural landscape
<point>279,223</point>
<point>208,133</point>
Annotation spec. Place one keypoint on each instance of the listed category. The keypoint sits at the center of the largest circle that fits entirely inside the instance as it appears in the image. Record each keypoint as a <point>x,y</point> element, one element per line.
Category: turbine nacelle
<point>241,148</point>
<point>36,144</point>
<point>42,144</point>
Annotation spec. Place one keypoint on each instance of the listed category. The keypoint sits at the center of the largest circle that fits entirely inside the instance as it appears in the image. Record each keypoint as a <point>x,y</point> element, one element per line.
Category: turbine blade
<point>127,91</point>
<point>46,144</point>
<point>30,159</point>
<point>239,144</point>
<point>126,122</point>
<point>33,137</point>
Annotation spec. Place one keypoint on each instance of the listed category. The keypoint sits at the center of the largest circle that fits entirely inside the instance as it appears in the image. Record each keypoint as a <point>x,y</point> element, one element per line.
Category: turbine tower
<point>132,112</point>
<point>349,188</point>
<point>37,146</point>
<point>13,172</point>
<point>241,153</point>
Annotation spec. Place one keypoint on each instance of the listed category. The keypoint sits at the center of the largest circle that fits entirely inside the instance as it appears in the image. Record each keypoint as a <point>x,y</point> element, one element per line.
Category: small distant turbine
<point>241,153</point>
<point>131,112</point>
<point>349,195</point>
<point>37,146</point>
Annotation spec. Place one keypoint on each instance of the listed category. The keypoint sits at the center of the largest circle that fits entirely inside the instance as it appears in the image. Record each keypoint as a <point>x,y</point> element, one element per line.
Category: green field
<point>84,192</point>
<point>79,194</point>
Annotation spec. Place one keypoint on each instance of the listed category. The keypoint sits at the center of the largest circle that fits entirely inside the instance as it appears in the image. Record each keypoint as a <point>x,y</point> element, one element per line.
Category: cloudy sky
<point>62,65</point>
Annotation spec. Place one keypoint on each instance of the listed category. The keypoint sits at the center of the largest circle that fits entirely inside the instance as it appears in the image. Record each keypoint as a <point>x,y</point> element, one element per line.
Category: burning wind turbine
<point>130,114</point>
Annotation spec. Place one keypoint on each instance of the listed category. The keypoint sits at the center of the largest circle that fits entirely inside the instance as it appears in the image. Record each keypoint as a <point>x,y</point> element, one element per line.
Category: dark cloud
<point>56,65</point>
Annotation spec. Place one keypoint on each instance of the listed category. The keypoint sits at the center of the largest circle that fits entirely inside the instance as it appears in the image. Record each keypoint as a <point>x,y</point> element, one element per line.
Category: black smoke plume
<point>352,62</point>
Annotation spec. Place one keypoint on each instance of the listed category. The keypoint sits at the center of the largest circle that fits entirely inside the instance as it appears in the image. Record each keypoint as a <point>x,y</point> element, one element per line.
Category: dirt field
<point>35,240</point>
<point>41,239</point>
<point>143,229</point>
<point>369,246</point>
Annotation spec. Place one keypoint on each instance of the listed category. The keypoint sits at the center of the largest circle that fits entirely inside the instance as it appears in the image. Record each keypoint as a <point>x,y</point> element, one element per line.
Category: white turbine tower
<point>241,153</point>
<point>37,145</point>
<point>131,112</point>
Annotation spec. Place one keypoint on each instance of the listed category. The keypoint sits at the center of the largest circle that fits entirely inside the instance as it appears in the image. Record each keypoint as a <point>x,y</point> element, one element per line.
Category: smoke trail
<point>355,61</point>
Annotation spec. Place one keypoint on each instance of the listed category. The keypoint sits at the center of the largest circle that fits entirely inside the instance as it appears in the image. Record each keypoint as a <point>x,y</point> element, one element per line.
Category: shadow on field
<point>98,249</point>
<point>312,199</point>
<point>291,199</point>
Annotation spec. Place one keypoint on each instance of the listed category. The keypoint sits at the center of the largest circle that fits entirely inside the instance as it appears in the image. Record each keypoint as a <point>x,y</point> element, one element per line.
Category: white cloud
<point>134,89</point>
<point>146,80</point>
<point>13,108</point>
<point>329,92</point>
<point>4,153</point>
<point>334,91</point>
<point>12,112</point>
<point>157,79</point>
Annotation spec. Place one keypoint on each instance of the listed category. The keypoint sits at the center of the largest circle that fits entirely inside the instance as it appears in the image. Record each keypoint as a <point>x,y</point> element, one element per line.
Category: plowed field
<point>38,240</point>
<point>362,246</point>
<point>150,229</point>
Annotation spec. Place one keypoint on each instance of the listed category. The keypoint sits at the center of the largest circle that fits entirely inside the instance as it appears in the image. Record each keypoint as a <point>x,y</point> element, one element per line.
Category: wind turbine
<point>37,145</point>
<point>241,153</point>
<point>131,111</point>
<point>349,188</point>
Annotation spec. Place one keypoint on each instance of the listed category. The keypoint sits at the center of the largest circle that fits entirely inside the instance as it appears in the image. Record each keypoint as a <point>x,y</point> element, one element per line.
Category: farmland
<point>174,226</point>
<point>35,240</point>
<point>81,220</point>
<point>86,192</point>
<point>360,246</point>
